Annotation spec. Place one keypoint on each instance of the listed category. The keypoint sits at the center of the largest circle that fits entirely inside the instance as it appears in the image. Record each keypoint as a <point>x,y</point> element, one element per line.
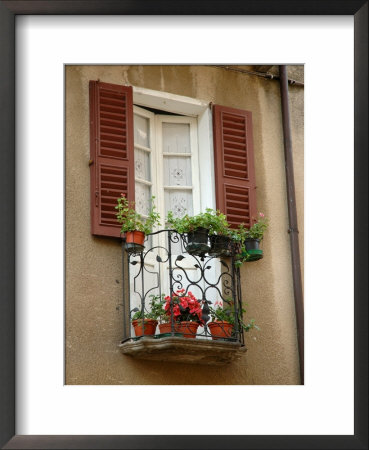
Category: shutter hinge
<point>91,161</point>
<point>97,198</point>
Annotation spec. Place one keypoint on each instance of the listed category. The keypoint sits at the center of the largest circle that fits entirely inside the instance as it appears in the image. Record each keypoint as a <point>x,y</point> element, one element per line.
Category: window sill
<point>181,350</point>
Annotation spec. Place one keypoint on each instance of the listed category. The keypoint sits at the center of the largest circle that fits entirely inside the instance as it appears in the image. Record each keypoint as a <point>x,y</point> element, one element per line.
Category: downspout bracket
<point>293,230</point>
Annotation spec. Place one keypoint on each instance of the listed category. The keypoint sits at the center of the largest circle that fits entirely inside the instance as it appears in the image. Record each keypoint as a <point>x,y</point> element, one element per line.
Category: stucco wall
<point>93,265</point>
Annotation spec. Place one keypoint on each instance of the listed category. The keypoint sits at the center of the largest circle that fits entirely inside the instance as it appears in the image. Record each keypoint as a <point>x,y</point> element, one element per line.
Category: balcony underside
<point>182,350</point>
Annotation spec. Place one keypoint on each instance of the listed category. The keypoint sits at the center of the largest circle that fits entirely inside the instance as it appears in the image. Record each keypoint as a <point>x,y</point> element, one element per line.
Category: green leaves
<point>228,314</point>
<point>213,221</point>
<point>156,306</point>
<point>255,232</point>
<point>132,220</point>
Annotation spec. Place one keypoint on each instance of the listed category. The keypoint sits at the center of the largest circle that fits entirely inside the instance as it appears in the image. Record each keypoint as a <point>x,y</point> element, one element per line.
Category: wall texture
<point>93,265</point>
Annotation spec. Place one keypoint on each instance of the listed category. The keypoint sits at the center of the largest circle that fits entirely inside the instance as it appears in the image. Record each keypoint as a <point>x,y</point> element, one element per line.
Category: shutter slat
<point>232,118</point>
<point>236,196</point>
<point>231,157</point>
<point>233,125</point>
<point>107,203</point>
<point>112,131</point>
<point>108,215</point>
<point>113,94</point>
<point>112,143</point>
<point>236,211</point>
<point>235,151</point>
<point>234,165</point>
<point>110,184</point>
<point>114,122</point>
<point>111,177</point>
<point>233,132</point>
<point>113,101</point>
<point>234,145</point>
<point>236,173</point>
<point>112,153</point>
<point>239,218</point>
<point>234,204</point>
<point>231,138</point>
<point>121,118</point>
<point>118,110</point>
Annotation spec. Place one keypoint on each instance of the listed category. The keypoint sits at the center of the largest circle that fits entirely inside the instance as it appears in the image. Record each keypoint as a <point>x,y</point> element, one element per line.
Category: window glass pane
<point>143,196</point>
<point>142,165</point>
<point>177,171</point>
<point>179,202</point>
<point>176,138</point>
<point>141,132</point>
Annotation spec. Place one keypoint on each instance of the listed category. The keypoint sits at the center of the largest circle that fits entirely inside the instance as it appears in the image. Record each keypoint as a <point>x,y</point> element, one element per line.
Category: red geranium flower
<point>185,307</point>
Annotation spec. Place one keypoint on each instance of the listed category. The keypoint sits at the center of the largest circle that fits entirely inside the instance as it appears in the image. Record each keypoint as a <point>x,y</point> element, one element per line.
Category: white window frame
<point>199,109</point>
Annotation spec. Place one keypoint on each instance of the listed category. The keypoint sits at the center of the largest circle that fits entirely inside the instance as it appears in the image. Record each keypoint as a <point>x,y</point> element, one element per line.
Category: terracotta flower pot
<point>165,328</point>
<point>188,329</point>
<point>148,326</point>
<point>135,237</point>
<point>220,330</point>
<point>135,241</point>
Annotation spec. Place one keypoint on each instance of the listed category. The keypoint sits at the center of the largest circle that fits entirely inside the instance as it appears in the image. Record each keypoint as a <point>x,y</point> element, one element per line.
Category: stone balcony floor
<point>183,350</point>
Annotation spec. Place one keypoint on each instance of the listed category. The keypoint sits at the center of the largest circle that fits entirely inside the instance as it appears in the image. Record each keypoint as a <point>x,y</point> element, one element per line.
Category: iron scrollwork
<point>168,267</point>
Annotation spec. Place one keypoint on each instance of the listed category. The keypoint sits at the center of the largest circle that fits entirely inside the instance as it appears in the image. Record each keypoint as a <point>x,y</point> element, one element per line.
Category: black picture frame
<point>8,11</point>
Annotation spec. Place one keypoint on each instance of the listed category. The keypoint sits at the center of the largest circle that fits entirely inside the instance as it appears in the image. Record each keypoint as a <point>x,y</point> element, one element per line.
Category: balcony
<point>175,277</point>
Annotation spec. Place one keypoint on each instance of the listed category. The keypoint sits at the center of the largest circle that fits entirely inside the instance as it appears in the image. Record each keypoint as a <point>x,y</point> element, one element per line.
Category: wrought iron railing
<point>171,262</point>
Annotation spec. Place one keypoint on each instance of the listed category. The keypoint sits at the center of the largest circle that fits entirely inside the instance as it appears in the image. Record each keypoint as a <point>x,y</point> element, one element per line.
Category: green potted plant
<point>195,227</point>
<point>143,325</point>
<point>145,322</point>
<point>255,234</point>
<point>198,228</point>
<point>158,313</point>
<point>186,310</point>
<point>220,235</point>
<point>165,327</point>
<point>223,321</point>
<point>134,225</point>
<point>250,240</point>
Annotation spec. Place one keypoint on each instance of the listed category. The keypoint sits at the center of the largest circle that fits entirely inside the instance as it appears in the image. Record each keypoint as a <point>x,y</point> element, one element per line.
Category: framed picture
<point>238,430</point>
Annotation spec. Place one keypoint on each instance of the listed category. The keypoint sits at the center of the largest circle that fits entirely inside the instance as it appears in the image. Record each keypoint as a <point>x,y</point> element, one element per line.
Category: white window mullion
<point>183,155</point>
<point>195,169</point>
<point>143,147</point>
<point>142,181</point>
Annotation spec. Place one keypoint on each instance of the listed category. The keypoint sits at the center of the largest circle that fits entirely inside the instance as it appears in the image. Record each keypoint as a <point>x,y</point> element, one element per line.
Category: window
<point>173,157</point>
<point>166,162</point>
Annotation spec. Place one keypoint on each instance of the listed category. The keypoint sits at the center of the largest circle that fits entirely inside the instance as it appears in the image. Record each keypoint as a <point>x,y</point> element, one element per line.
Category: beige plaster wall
<point>93,265</point>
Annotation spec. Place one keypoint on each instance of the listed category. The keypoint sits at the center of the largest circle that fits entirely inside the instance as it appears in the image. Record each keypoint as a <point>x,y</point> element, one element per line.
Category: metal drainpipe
<point>292,216</point>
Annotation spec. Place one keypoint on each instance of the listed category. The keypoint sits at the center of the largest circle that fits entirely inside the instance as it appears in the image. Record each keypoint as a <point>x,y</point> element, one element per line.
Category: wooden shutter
<point>234,165</point>
<point>111,154</point>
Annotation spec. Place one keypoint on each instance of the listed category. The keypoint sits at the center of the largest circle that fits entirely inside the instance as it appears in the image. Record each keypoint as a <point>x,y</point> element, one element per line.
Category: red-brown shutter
<point>111,153</point>
<point>234,165</point>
